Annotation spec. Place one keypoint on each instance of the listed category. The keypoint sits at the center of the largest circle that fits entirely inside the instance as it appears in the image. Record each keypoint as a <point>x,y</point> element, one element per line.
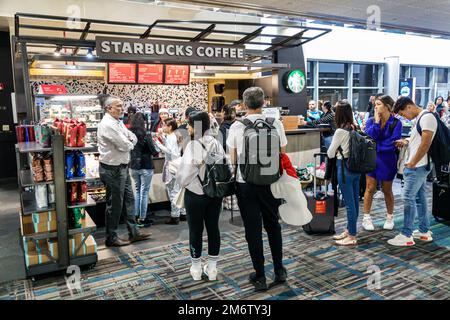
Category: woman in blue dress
<point>385,129</point>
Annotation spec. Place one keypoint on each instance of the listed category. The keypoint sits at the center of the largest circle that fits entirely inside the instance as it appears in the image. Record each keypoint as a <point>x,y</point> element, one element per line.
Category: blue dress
<point>386,156</point>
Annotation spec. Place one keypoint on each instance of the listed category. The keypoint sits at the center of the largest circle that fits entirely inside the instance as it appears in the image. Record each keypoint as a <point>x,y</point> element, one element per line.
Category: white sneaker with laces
<point>367,223</point>
<point>402,241</point>
<point>196,272</point>
<point>425,237</point>
<point>389,224</point>
<point>210,272</point>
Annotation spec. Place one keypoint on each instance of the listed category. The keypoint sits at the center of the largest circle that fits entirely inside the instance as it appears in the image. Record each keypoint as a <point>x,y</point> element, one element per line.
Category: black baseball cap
<point>189,110</point>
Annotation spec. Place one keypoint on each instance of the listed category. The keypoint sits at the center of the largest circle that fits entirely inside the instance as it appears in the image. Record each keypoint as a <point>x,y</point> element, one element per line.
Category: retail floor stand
<point>64,256</point>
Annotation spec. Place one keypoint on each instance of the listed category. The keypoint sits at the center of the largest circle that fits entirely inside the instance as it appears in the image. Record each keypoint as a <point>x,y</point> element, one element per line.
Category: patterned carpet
<point>316,270</point>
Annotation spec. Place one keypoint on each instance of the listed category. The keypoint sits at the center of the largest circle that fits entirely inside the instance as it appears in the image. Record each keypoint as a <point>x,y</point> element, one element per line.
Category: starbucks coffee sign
<point>109,48</point>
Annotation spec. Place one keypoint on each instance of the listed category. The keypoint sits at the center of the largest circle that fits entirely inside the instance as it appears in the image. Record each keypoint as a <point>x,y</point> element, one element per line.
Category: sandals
<point>341,236</point>
<point>347,242</point>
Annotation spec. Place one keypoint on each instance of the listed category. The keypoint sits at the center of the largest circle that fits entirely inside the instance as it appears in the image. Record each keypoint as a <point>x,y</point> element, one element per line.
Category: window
<point>310,74</point>
<point>422,76</point>
<point>361,98</point>
<point>422,97</point>
<point>365,75</point>
<point>310,94</point>
<point>404,72</point>
<point>441,75</point>
<point>332,95</point>
<point>332,74</point>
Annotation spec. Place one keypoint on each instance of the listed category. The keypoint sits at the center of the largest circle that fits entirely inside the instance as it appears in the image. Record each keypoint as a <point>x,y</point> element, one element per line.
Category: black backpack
<point>362,153</point>
<point>261,163</point>
<point>439,150</point>
<point>219,181</point>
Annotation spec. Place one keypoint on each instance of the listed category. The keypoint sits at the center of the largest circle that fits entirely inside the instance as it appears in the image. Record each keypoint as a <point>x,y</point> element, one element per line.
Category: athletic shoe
<point>341,236</point>
<point>402,241</point>
<point>196,273</point>
<point>378,195</point>
<point>425,237</point>
<point>367,223</point>
<point>259,283</point>
<point>347,242</point>
<point>389,224</point>
<point>210,273</point>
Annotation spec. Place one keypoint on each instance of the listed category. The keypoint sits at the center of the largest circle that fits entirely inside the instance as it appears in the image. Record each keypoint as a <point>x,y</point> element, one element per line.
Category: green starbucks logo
<point>294,81</point>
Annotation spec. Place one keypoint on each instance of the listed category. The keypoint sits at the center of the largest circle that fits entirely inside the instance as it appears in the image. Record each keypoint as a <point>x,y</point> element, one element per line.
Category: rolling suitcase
<point>441,199</point>
<point>322,207</point>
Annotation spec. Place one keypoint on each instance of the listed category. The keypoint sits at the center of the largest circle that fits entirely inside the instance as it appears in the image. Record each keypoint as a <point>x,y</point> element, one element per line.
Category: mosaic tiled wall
<point>195,94</point>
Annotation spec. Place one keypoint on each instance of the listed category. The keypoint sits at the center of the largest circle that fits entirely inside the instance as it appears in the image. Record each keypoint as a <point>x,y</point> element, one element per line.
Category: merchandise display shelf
<point>25,147</point>
<point>87,147</point>
<point>88,226</point>
<point>43,268</point>
<point>88,259</point>
<point>26,179</point>
<point>87,178</point>
<point>38,235</point>
<point>90,203</point>
<point>29,205</point>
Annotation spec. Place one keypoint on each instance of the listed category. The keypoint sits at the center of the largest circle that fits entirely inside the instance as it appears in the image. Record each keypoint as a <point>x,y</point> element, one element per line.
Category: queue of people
<point>257,205</point>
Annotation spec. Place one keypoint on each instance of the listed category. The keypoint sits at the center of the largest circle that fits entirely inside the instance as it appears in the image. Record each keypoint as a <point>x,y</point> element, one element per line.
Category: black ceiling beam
<point>82,37</point>
<point>250,36</point>
<point>202,35</point>
<point>280,44</point>
<point>149,29</point>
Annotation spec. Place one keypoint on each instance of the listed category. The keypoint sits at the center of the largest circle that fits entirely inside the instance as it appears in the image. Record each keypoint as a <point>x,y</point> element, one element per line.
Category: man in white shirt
<point>256,203</point>
<point>115,142</point>
<point>417,168</point>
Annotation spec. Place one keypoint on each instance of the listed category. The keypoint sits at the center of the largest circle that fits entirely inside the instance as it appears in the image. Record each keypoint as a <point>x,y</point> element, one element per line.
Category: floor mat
<point>317,269</point>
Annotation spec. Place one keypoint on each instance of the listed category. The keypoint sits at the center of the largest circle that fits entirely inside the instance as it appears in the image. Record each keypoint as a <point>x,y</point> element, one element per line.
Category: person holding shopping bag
<point>201,210</point>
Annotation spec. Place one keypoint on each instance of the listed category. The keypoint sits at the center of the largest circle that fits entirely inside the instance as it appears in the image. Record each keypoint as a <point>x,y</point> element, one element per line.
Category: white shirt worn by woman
<point>192,164</point>
<point>171,151</point>
<point>341,139</point>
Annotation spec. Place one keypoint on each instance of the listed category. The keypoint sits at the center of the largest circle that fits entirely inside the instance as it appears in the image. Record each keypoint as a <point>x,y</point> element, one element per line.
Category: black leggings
<point>203,210</point>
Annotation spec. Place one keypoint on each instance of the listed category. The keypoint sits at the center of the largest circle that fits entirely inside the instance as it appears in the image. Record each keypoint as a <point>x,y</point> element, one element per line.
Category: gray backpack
<point>261,155</point>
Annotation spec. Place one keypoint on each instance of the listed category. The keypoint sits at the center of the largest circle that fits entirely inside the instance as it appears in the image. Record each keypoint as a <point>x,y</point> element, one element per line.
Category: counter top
<point>306,130</point>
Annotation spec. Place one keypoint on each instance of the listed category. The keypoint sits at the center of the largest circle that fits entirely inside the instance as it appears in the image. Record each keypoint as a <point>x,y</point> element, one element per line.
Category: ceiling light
<point>57,52</point>
<point>89,54</point>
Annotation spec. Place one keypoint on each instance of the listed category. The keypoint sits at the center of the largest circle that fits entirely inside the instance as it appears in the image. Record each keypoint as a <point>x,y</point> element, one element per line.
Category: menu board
<point>177,74</point>
<point>150,73</point>
<point>121,73</point>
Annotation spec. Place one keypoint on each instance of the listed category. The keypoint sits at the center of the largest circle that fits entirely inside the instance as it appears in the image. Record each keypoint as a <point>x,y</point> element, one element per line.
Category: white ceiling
<point>431,16</point>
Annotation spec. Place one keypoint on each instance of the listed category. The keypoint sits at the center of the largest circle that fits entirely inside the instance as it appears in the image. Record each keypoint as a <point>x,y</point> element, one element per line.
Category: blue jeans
<point>350,192</point>
<point>327,142</point>
<point>142,181</point>
<point>415,199</point>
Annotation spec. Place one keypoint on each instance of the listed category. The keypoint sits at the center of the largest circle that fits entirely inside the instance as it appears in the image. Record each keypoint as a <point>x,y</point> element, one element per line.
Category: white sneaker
<point>402,241</point>
<point>367,223</point>
<point>389,224</point>
<point>425,237</point>
<point>378,195</point>
<point>210,272</point>
<point>196,273</point>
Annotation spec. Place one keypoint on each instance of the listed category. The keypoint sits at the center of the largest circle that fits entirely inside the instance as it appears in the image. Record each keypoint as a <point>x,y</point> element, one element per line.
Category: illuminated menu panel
<point>121,73</point>
<point>177,74</point>
<point>150,73</point>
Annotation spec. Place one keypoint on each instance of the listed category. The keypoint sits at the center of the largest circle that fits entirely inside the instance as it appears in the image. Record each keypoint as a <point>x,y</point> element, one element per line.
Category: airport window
<point>332,74</point>
<point>422,76</point>
<point>422,97</point>
<point>310,74</point>
<point>333,95</point>
<point>441,75</point>
<point>365,75</point>
<point>360,100</point>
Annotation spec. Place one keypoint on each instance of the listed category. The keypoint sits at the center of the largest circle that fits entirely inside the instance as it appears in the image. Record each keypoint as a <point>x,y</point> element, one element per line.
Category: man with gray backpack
<point>255,145</point>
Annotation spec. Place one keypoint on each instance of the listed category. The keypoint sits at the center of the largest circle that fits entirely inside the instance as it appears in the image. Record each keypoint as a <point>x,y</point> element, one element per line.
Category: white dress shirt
<point>115,141</point>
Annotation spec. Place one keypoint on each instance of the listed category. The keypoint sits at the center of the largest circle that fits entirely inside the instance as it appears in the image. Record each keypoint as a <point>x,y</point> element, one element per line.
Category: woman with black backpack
<point>348,181</point>
<point>201,210</point>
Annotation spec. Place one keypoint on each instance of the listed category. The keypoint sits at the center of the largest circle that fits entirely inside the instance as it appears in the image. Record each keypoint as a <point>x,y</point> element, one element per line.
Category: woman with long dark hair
<point>440,107</point>
<point>385,129</point>
<point>348,181</point>
<point>141,166</point>
<point>201,210</point>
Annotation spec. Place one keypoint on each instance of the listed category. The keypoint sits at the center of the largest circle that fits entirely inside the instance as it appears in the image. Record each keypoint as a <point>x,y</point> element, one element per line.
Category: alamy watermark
<point>73,280</point>
<point>374,18</point>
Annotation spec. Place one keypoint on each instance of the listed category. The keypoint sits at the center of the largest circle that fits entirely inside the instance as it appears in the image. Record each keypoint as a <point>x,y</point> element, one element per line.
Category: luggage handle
<point>315,177</point>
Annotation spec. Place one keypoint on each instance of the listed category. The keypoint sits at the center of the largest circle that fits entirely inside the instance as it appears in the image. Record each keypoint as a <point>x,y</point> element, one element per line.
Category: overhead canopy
<point>43,35</point>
